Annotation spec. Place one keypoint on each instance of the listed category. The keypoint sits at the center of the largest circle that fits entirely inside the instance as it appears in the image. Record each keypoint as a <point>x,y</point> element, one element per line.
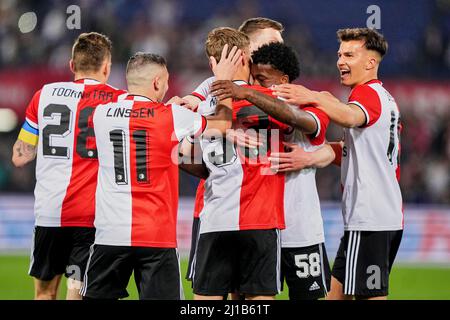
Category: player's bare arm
<point>297,158</point>
<point>337,149</point>
<point>23,153</point>
<point>191,102</point>
<point>177,100</point>
<point>189,152</point>
<point>276,108</point>
<point>346,115</point>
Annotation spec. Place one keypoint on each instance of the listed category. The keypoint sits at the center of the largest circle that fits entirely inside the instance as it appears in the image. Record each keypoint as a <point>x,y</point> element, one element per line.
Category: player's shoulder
<point>57,84</point>
<point>109,87</point>
<point>259,88</point>
<point>55,88</point>
<point>369,87</point>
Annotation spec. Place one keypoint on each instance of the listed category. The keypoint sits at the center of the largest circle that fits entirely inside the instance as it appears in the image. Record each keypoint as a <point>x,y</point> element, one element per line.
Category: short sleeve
<point>207,107</point>
<point>368,100</point>
<point>322,120</point>
<point>202,91</point>
<point>187,122</point>
<point>30,128</point>
<point>31,112</point>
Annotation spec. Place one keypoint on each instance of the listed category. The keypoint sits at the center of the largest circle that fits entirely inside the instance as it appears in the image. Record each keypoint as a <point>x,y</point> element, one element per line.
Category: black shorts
<point>58,250</point>
<point>364,260</point>
<point>156,273</point>
<point>194,241</point>
<point>307,272</point>
<point>246,261</point>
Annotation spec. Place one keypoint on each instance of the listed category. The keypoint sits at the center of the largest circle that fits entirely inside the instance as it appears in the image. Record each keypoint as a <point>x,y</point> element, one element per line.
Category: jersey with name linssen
<point>59,121</point>
<point>241,192</point>
<point>370,170</point>
<point>137,190</point>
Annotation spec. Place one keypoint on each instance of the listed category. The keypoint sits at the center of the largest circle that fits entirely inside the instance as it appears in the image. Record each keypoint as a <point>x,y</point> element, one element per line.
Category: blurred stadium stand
<point>416,70</point>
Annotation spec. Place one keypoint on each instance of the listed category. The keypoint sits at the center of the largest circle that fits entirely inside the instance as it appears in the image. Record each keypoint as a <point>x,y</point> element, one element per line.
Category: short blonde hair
<point>252,25</point>
<point>90,51</point>
<point>219,37</point>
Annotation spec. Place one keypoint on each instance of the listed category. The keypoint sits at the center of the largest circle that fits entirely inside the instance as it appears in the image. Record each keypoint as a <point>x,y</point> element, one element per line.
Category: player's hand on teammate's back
<point>228,64</point>
<point>243,139</point>
<point>179,101</point>
<point>223,89</point>
<point>295,94</point>
<point>296,159</point>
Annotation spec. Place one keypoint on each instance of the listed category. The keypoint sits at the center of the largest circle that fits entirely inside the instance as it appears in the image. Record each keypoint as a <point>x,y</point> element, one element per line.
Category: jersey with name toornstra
<point>59,121</point>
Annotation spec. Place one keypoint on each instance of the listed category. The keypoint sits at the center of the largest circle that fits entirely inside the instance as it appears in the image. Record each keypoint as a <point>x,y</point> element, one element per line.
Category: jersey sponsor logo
<point>129,113</point>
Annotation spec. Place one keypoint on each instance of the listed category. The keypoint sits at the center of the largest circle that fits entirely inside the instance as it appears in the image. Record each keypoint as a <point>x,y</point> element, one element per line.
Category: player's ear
<point>372,63</point>
<point>106,68</point>
<point>246,58</point>
<point>156,84</point>
<point>72,66</point>
<point>284,79</point>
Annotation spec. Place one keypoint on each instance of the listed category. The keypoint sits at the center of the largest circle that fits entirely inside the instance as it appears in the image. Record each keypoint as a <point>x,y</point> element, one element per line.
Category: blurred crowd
<point>419,49</point>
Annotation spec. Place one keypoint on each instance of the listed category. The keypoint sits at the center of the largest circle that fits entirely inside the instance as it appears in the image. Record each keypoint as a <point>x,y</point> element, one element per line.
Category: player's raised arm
<point>297,158</point>
<point>276,108</point>
<point>347,115</point>
<point>225,69</point>
<point>198,95</point>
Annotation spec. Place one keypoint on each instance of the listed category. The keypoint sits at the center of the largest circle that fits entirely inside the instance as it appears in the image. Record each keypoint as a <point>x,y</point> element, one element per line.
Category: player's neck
<point>242,74</point>
<point>370,77</point>
<point>94,76</point>
<point>142,92</point>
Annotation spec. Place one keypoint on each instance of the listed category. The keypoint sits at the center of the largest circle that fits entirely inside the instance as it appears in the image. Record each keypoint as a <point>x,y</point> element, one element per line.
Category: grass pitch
<point>407,281</point>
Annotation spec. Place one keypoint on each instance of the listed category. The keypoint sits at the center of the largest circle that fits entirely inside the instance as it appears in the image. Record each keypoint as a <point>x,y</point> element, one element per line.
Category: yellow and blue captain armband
<point>29,134</point>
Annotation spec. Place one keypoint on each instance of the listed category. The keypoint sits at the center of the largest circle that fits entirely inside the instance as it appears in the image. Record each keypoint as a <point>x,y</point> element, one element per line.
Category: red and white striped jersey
<point>137,190</point>
<point>304,225</point>
<point>370,169</point>
<point>241,192</point>
<point>199,198</point>
<point>59,121</point>
<point>202,91</point>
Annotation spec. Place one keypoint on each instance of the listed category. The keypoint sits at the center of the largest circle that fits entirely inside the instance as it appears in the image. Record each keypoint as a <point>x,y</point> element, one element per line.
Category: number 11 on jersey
<point>119,142</point>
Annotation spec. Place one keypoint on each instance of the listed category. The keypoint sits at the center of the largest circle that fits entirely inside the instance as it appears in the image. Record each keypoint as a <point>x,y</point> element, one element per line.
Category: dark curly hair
<point>280,56</point>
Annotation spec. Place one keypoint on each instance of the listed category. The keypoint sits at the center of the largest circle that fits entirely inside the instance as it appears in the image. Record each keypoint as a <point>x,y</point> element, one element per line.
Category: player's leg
<point>235,296</point>
<point>338,272</point>
<point>49,258</point>
<point>337,291</point>
<point>194,241</point>
<point>259,261</point>
<point>375,259</point>
<point>307,272</point>
<point>82,239</point>
<point>108,272</point>
<point>215,266</point>
<point>157,274</point>
<point>46,290</point>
